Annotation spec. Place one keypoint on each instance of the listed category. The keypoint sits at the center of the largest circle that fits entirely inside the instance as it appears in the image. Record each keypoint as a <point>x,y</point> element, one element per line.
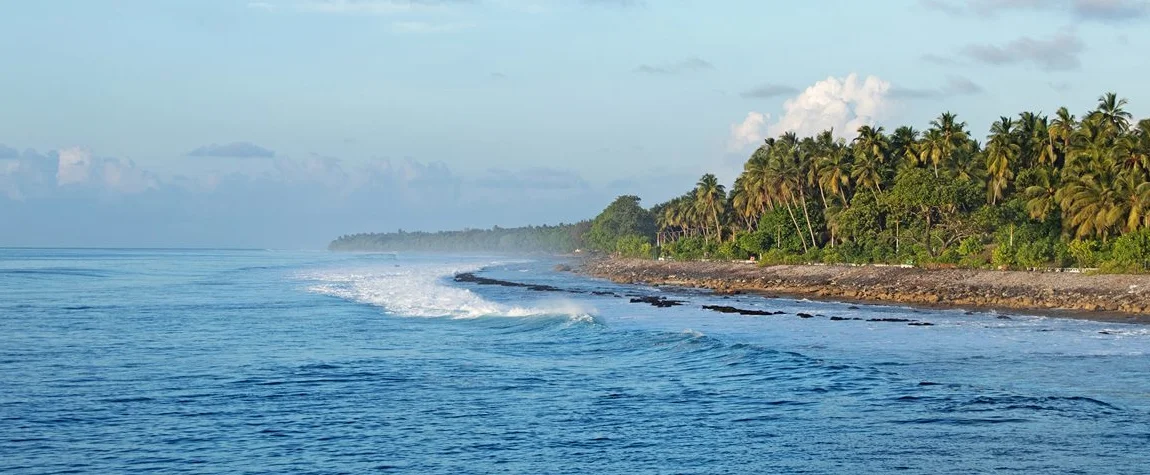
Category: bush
<point>1085,253</point>
<point>832,256</point>
<point>777,256</point>
<point>1003,256</point>
<point>1038,253</point>
<point>971,246</point>
<point>685,248</point>
<point>975,261</point>
<point>813,255</point>
<point>1131,253</point>
<point>731,251</point>
<point>777,231</point>
<point>753,243</point>
<point>949,256</point>
<point>634,246</point>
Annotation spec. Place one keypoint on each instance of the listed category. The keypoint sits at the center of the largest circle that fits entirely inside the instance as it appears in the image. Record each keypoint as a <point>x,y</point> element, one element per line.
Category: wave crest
<point>421,291</point>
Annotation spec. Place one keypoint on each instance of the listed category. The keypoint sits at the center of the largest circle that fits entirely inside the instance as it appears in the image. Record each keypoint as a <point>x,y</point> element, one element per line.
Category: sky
<point>285,123</point>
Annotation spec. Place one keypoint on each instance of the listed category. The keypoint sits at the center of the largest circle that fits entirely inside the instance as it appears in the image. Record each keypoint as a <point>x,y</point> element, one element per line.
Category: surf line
<point>663,302</point>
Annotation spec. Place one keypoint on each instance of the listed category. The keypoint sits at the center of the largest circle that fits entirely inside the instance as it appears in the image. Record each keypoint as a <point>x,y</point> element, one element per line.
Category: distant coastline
<point>1119,298</point>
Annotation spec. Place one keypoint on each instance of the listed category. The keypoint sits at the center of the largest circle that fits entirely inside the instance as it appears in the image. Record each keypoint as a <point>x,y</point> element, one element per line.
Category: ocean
<point>223,361</point>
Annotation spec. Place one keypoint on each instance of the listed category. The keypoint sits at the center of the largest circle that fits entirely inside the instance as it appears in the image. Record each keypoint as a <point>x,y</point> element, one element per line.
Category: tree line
<point>562,238</point>
<point>1040,191</point>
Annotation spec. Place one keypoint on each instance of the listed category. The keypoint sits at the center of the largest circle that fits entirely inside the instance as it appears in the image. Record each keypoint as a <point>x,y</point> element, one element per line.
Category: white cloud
<point>1057,53</point>
<point>750,132</point>
<point>126,177</point>
<point>842,104</point>
<point>75,165</point>
<point>8,184</point>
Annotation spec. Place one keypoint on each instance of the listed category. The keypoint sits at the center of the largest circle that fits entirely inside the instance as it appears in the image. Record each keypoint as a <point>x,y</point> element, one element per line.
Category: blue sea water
<point>128,361</point>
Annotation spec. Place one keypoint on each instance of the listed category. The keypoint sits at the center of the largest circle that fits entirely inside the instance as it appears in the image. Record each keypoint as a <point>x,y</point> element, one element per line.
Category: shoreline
<point>1106,298</point>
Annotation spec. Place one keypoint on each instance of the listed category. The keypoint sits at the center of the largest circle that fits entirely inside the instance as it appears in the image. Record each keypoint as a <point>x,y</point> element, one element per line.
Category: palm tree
<point>792,164</point>
<point>710,196</point>
<point>1089,175</point>
<point>743,202</point>
<point>1036,145</point>
<point>903,143</point>
<point>1062,129</point>
<point>932,149</point>
<point>1091,203</point>
<point>1042,196</point>
<point>1001,152</point>
<point>952,135</point>
<point>870,140</point>
<point>1134,195</point>
<point>1110,110</point>
<point>834,171</point>
<point>867,173</point>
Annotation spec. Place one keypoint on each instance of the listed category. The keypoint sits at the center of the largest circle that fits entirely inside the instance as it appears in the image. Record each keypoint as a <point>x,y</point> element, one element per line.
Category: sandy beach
<point>1120,298</point>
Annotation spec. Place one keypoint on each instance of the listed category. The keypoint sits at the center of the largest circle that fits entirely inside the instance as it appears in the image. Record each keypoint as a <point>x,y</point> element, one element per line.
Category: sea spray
<point>423,292</point>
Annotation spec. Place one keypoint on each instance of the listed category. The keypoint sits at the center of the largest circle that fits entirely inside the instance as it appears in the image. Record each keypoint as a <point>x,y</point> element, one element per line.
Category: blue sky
<point>282,123</point>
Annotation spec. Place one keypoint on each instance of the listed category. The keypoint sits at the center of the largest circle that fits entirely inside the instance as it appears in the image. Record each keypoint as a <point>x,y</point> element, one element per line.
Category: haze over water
<point>116,361</point>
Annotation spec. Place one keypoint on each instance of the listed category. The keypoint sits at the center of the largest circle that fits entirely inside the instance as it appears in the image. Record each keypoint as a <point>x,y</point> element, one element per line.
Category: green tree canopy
<point>624,217</point>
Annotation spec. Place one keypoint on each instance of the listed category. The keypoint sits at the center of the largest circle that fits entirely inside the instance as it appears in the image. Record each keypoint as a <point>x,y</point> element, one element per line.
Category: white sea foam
<point>422,291</point>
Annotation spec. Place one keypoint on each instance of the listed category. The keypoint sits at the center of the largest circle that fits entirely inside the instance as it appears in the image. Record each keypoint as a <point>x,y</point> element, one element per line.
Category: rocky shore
<point>1123,298</point>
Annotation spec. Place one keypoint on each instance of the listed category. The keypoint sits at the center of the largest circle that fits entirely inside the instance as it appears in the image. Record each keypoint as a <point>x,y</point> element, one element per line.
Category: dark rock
<point>805,315</point>
<point>853,307</point>
<point>471,278</point>
<point>921,324</point>
<point>890,320</point>
<point>1004,317</point>
<point>740,311</point>
<point>659,302</point>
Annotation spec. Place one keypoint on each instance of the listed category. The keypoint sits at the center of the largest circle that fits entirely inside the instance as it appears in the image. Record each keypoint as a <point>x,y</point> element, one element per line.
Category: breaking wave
<point>423,291</point>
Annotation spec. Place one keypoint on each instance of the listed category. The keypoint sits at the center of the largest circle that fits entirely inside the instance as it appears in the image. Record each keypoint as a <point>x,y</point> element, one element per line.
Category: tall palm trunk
<point>807,216</point>
<point>718,225</point>
<point>798,229</point>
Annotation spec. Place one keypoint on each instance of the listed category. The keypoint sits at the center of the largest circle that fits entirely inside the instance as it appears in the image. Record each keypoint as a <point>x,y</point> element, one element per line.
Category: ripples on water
<point>214,361</point>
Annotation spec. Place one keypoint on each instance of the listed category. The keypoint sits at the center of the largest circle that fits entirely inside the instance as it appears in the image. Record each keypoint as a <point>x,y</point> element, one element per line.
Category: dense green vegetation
<point>550,239</point>
<point>1042,192</point>
<point>624,228</point>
